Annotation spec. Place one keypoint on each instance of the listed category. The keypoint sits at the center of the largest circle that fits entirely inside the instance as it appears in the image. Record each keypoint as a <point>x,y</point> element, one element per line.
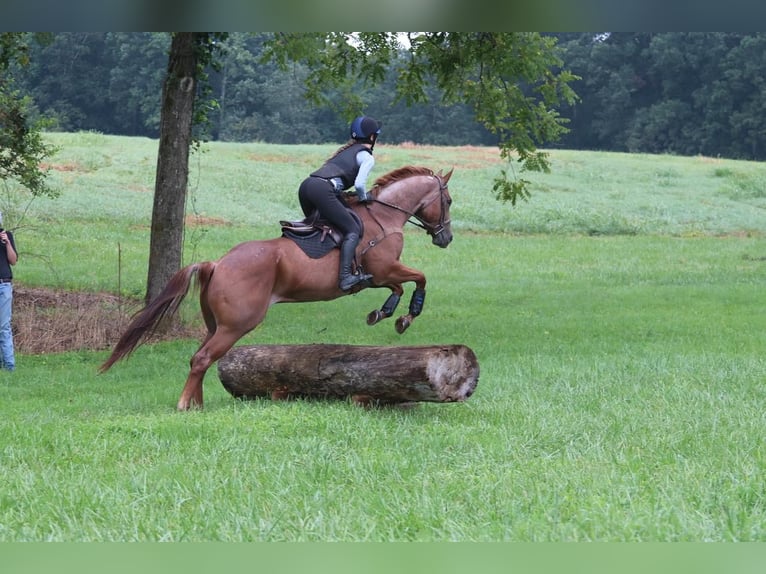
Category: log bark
<point>366,374</point>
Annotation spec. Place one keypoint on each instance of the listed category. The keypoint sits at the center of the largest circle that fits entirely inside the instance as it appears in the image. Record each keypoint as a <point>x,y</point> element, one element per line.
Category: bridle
<point>432,230</point>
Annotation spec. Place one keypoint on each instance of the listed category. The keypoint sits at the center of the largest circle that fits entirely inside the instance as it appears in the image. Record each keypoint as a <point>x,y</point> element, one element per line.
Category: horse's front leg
<point>394,277</point>
<point>388,307</point>
<point>416,307</point>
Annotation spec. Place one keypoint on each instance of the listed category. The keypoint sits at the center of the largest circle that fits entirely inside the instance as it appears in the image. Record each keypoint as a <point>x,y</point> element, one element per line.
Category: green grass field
<point>618,318</point>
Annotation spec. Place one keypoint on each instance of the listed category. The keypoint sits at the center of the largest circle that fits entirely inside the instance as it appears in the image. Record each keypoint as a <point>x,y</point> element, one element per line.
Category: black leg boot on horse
<point>346,278</point>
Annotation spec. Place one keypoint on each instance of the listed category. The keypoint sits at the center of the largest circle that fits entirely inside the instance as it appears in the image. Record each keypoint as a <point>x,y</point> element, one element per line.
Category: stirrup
<point>351,280</point>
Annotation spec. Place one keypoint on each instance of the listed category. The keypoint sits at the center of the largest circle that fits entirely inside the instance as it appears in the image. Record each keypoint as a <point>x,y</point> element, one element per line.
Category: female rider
<point>349,166</point>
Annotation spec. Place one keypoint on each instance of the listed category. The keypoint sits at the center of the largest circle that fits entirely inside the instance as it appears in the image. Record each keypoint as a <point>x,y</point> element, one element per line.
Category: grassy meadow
<point>618,318</point>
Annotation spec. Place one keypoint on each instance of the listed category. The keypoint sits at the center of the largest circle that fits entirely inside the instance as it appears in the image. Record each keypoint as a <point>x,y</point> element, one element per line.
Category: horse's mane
<point>400,173</point>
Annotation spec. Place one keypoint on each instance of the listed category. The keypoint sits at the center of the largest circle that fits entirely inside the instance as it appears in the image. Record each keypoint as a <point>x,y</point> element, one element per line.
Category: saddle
<point>314,235</point>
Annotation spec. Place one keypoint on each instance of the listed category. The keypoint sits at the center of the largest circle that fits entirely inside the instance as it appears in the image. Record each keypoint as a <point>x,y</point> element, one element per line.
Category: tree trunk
<point>167,229</point>
<point>439,373</point>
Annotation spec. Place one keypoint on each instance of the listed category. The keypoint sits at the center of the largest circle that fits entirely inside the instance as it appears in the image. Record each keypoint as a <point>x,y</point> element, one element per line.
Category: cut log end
<point>368,375</point>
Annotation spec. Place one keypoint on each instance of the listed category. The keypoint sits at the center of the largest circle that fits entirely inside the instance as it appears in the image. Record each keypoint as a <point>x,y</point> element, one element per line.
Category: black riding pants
<point>317,193</point>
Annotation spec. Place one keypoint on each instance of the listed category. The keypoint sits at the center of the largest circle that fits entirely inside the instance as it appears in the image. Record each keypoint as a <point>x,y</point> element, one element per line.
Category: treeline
<point>682,93</point>
<point>111,83</point>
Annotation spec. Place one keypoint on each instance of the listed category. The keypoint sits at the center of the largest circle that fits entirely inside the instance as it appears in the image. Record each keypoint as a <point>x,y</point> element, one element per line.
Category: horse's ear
<point>445,178</point>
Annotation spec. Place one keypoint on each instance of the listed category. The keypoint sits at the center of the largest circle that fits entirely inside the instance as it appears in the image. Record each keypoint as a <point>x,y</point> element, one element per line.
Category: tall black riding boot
<point>346,279</point>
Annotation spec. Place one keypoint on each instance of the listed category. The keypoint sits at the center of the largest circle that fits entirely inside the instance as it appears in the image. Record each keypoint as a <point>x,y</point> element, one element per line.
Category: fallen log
<point>366,374</point>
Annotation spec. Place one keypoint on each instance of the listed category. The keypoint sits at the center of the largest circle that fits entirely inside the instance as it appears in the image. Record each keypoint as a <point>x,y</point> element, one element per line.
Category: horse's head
<point>419,193</point>
<point>433,211</point>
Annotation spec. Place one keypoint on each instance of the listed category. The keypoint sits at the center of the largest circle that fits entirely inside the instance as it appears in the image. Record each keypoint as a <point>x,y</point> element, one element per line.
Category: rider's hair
<point>346,145</point>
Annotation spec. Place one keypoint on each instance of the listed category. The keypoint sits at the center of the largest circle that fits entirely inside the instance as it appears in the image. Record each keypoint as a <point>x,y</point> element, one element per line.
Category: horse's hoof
<point>364,401</point>
<point>189,405</point>
<point>280,395</point>
<point>402,323</point>
<point>374,317</point>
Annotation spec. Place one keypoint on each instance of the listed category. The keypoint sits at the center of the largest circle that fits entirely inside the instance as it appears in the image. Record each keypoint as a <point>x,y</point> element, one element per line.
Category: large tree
<point>168,211</point>
<point>190,53</point>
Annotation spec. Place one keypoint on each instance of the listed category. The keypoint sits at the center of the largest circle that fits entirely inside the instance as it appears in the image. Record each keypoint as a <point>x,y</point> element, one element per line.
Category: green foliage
<point>510,79</point>
<point>688,93</point>
<point>15,47</point>
<point>672,92</point>
<point>209,47</point>
<point>131,77</point>
<point>335,60</point>
<point>22,148</point>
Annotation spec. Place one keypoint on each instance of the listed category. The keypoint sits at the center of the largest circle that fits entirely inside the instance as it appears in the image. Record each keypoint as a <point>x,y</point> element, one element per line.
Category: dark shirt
<point>5,267</point>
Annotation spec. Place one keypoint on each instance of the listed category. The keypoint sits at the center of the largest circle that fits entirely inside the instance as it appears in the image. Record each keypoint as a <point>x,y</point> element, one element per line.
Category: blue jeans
<point>7,360</point>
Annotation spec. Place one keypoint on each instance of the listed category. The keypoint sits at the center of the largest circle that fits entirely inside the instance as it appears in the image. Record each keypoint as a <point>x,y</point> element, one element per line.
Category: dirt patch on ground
<point>52,321</point>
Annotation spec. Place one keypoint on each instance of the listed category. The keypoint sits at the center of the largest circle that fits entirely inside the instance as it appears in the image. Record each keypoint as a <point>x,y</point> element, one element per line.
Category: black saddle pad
<point>316,244</point>
<point>315,236</point>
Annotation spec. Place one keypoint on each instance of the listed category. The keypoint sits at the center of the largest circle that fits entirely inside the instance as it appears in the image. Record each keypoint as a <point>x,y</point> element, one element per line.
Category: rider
<point>350,165</point>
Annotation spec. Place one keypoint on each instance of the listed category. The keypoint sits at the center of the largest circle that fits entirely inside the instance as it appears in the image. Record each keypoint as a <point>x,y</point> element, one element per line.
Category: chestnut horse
<point>236,291</point>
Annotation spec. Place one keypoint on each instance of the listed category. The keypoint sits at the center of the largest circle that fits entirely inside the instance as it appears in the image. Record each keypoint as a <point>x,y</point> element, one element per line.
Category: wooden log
<point>367,374</point>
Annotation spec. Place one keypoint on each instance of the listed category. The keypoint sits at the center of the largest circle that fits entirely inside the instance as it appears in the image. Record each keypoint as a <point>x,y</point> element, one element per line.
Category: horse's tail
<point>145,321</point>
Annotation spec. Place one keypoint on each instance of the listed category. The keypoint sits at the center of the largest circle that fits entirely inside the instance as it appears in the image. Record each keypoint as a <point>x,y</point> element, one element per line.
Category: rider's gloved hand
<point>363,196</point>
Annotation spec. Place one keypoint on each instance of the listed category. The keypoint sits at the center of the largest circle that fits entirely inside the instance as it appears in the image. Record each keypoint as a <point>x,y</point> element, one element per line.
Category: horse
<point>236,291</point>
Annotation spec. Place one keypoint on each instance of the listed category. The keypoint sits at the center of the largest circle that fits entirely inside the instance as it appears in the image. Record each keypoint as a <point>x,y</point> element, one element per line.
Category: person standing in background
<point>8,258</point>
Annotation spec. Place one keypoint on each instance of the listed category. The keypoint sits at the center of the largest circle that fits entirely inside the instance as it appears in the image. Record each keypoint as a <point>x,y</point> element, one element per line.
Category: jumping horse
<point>236,291</point>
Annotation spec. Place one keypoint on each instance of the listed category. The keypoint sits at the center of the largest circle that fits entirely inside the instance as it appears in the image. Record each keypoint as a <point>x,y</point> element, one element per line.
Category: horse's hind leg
<point>191,396</point>
<point>215,347</point>
<point>207,316</point>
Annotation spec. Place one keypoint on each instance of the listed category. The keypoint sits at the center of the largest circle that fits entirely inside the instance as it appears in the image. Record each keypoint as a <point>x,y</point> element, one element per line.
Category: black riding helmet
<point>363,128</point>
